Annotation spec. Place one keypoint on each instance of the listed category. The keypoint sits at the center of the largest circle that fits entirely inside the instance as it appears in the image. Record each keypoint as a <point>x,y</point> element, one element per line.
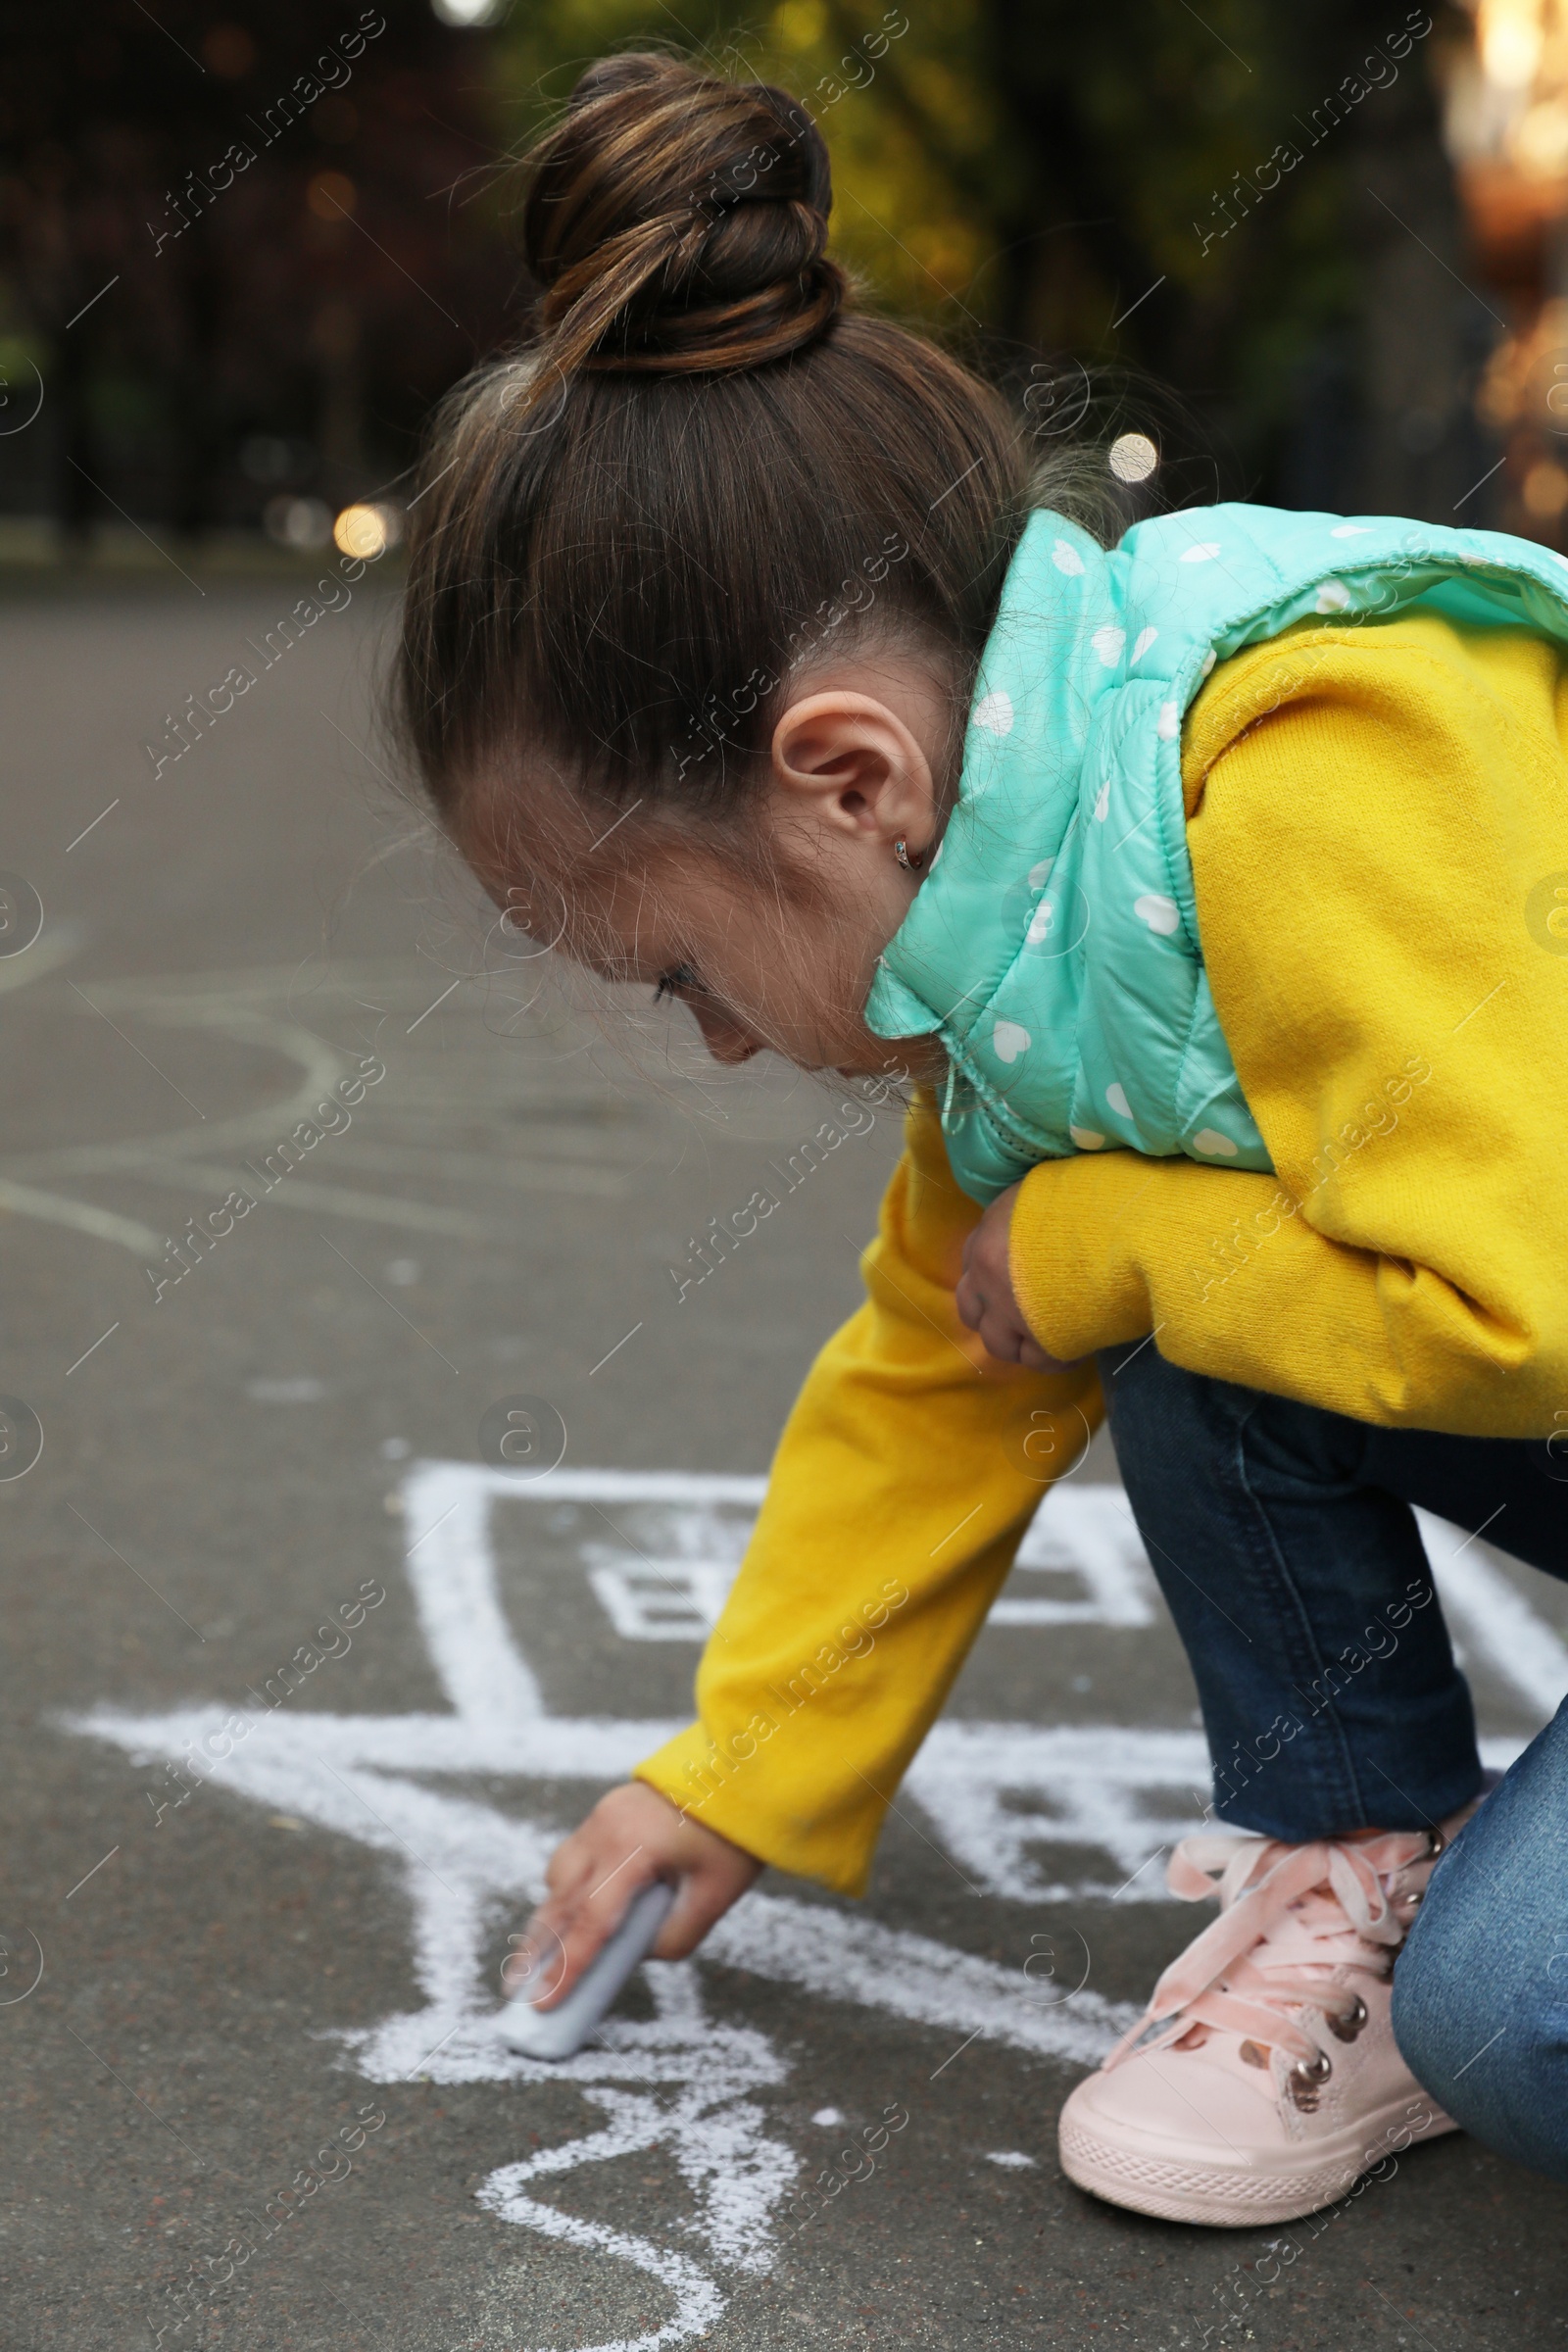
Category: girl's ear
<point>849,763</point>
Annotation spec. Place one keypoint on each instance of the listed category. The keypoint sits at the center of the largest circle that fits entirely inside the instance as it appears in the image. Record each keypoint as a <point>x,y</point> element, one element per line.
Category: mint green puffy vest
<point>1054,947</point>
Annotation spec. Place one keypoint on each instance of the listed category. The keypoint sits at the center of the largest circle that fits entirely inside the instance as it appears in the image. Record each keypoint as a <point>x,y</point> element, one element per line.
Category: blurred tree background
<point>219,340</point>
<point>1306,223</point>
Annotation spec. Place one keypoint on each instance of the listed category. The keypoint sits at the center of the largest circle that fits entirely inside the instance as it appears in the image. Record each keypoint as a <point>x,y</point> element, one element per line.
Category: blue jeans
<point>1282,1539</point>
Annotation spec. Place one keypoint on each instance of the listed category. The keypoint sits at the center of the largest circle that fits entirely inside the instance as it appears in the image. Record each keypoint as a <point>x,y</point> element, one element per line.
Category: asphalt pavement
<point>305,1676</point>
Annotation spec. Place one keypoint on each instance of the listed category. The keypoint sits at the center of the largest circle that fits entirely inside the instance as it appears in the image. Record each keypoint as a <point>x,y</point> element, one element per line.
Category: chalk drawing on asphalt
<point>998,1796</point>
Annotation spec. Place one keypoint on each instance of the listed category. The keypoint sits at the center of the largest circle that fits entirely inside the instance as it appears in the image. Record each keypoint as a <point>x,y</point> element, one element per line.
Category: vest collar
<point>1055,647</point>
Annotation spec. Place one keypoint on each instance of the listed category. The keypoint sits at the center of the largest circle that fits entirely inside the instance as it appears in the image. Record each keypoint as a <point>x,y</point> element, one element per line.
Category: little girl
<point>1212,889</point>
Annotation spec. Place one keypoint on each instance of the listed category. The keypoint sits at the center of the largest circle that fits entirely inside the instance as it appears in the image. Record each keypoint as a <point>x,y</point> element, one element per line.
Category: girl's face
<point>776,954</point>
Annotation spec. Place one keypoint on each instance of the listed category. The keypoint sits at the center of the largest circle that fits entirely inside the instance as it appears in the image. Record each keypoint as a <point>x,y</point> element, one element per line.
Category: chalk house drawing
<point>992,1792</point>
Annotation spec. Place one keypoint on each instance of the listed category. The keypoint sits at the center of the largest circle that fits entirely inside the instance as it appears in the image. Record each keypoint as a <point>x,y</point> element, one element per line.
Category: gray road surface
<point>254,2099</point>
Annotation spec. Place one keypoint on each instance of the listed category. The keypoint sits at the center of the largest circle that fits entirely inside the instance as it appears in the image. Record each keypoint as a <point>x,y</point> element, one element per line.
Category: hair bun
<point>678,223</point>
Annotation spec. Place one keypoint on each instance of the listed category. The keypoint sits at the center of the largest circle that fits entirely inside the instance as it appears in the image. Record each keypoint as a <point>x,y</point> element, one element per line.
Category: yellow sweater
<point>1378,818</point>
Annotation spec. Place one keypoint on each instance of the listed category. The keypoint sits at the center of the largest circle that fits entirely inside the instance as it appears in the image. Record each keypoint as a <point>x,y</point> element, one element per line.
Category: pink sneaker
<point>1276,2081</point>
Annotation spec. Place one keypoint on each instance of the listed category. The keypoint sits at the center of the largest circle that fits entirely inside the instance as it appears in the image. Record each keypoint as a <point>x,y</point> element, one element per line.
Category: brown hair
<point>701,465</point>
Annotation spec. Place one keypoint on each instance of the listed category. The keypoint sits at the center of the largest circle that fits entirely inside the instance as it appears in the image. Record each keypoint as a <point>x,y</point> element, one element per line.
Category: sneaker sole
<point>1219,2197</point>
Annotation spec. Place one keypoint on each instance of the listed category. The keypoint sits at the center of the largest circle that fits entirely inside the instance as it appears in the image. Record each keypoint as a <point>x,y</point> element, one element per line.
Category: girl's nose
<point>725,1039</point>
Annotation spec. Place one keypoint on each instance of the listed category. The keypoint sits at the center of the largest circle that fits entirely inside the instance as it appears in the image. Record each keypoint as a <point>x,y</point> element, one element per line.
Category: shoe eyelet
<point>1346,2028</point>
<point>1251,2053</point>
<point>1307,2079</point>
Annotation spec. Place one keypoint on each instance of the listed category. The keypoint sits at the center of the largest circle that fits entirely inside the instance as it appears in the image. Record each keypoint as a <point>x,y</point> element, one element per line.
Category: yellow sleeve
<point>1378,820</point>
<point>907,1474</point>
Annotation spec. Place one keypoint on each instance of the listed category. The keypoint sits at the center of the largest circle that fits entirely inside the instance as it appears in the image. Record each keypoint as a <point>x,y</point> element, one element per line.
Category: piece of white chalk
<point>561,2033</point>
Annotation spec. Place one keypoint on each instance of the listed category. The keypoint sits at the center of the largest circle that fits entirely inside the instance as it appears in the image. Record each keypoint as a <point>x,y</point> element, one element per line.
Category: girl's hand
<point>632,1836</point>
<point>985,1295</point>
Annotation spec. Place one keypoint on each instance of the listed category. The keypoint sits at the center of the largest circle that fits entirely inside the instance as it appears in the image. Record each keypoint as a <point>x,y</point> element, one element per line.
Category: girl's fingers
<point>633,1836</point>
<point>702,1896</point>
<point>1002,1337</point>
<point>563,1939</point>
<point>690,1918</point>
<point>573,1860</point>
<point>564,1931</point>
<point>535,1963</point>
